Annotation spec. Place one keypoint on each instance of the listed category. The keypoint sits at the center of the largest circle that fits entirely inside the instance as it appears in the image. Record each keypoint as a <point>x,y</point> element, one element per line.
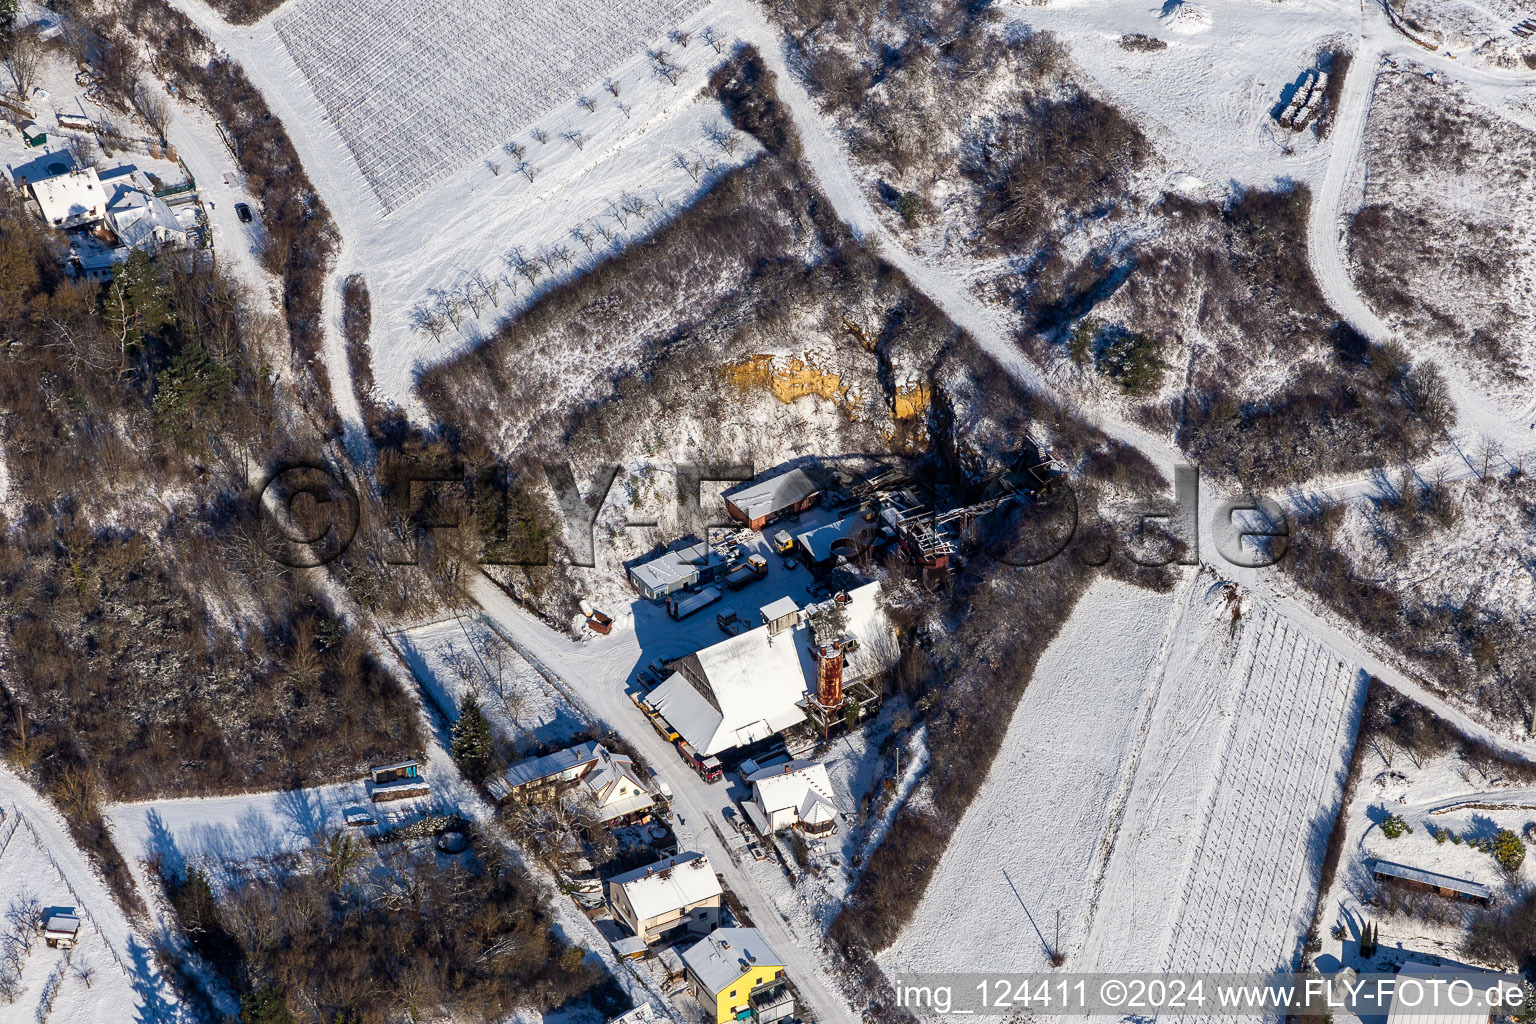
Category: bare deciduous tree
<point>486,285</point>
<point>694,167</point>
<point>154,108</point>
<point>22,60</point>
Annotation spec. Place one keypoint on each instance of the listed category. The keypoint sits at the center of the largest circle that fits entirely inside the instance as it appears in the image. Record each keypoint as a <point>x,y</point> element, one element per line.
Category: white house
<point>677,896</point>
<point>70,200</point>
<point>614,785</point>
<point>793,795</point>
<point>756,684</point>
<point>142,220</point>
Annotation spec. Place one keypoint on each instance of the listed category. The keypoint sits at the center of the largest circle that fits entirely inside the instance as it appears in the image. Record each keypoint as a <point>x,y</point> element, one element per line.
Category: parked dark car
<point>243,212</point>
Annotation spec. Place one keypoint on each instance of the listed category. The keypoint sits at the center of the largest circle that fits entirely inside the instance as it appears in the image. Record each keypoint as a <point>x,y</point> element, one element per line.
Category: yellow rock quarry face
<point>794,378</point>
<point>788,380</point>
<point>911,402</point>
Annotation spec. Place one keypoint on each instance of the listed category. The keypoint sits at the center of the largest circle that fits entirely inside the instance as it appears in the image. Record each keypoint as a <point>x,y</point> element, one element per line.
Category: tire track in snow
<point>1145,715</point>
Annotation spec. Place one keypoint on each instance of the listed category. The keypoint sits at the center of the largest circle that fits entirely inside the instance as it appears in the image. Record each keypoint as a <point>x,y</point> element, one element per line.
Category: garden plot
<point>1169,794</point>
<point>418,89</point>
<point>1453,805</point>
<point>109,976</point>
<point>462,655</point>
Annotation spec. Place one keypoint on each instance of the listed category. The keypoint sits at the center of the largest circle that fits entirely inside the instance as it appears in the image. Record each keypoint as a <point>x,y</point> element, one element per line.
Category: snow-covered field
<point>419,89</point>
<point>1169,794</point>
<point>477,153</point>
<point>1236,789</point>
<point>111,974</point>
<point>463,655</point>
<point>1026,848</point>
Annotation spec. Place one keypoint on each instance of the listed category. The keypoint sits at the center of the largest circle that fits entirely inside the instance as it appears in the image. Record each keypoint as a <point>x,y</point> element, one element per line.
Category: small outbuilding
<point>33,135</point>
<point>399,781</point>
<point>1432,881</point>
<point>683,566</point>
<point>61,930</point>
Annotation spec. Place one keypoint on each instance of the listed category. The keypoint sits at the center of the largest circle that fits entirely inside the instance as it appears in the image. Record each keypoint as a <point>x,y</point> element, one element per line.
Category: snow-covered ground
<point>418,90</point>
<point>1236,790</point>
<point>112,973</point>
<point>270,825</point>
<point>1026,849</point>
<point>1169,794</point>
<point>463,655</point>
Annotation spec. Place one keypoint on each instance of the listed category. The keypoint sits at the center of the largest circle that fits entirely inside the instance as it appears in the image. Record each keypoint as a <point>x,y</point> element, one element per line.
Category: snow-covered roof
<point>97,257</point>
<point>818,543</point>
<point>1412,874</point>
<point>671,884</point>
<point>671,566</point>
<point>142,219</point>
<point>71,198</point>
<point>765,497</point>
<point>602,781</point>
<point>62,924</point>
<point>1437,1004</point>
<point>725,954</point>
<point>803,785</point>
<point>778,609</point>
<point>536,768</point>
<point>752,685</point>
<point>629,945</point>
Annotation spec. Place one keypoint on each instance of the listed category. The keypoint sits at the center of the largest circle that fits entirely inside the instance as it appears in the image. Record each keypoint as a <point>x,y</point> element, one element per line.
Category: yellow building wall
<point>726,1007</point>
